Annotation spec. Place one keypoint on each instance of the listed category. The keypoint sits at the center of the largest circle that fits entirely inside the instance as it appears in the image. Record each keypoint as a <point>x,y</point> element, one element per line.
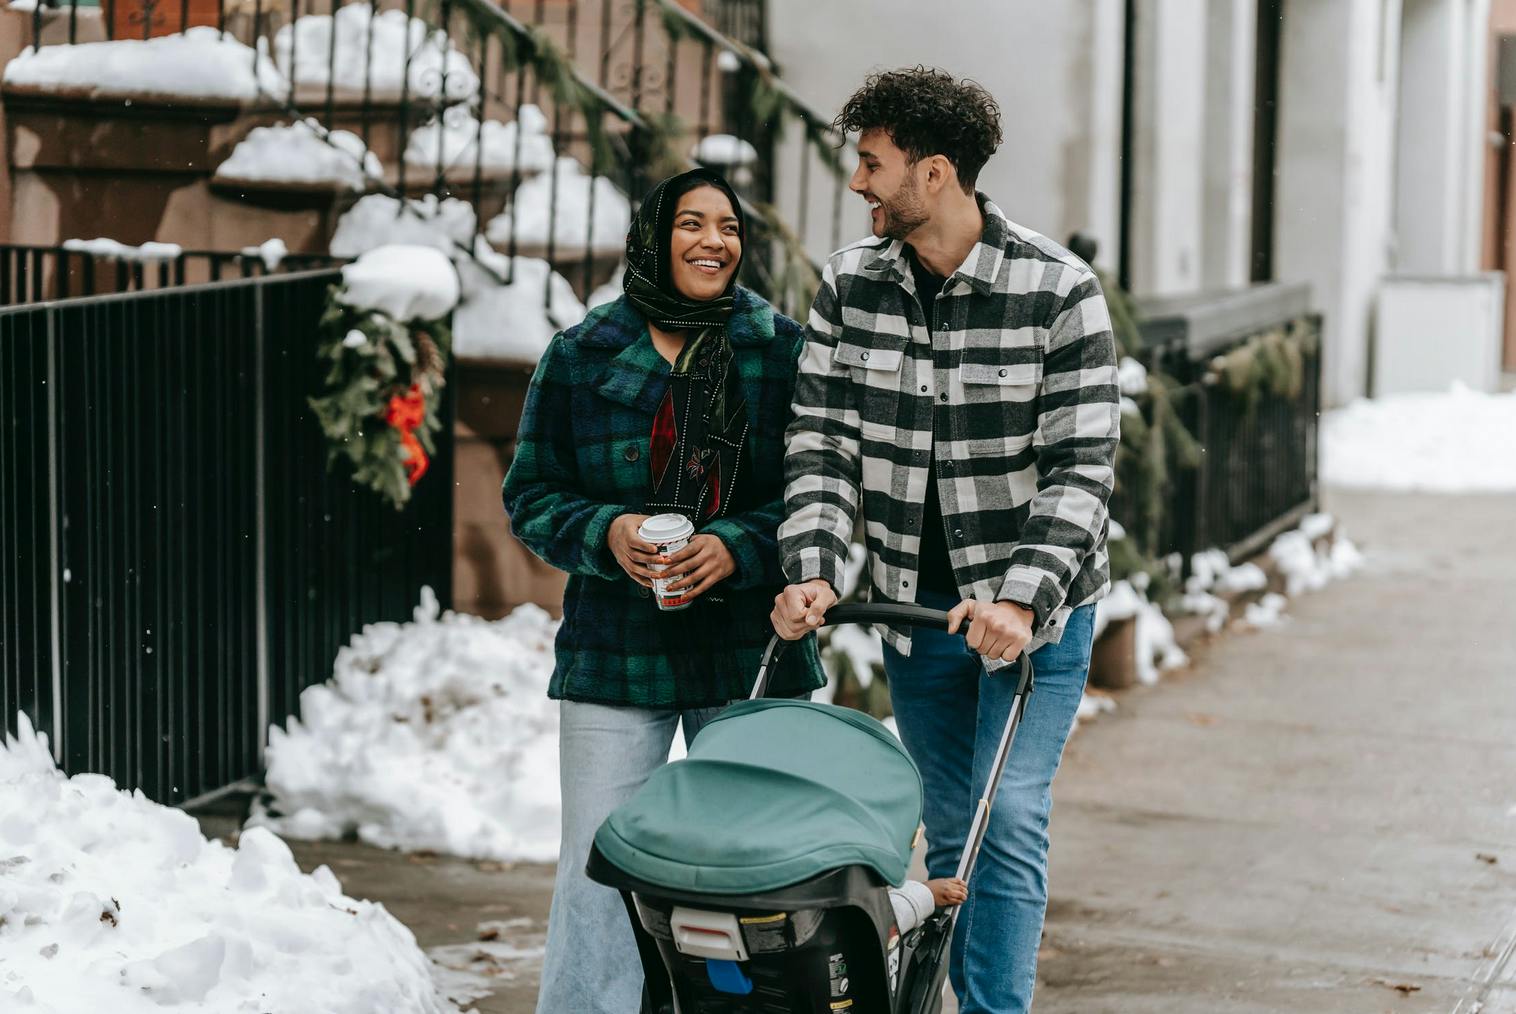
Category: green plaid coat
<point>581,461</point>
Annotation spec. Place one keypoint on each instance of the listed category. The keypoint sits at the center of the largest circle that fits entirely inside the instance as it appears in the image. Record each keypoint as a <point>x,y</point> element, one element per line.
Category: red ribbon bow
<point>405,413</point>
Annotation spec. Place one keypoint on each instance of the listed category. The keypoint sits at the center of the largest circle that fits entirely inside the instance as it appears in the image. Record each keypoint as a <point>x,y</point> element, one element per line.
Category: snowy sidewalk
<point>1317,817</point>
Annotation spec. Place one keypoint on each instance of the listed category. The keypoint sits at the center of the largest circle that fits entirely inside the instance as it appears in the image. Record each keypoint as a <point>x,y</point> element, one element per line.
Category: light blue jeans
<point>951,713</point>
<point>605,754</point>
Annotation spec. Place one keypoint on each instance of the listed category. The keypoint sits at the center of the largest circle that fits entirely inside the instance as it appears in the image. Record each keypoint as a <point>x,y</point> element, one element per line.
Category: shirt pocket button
<point>631,453</point>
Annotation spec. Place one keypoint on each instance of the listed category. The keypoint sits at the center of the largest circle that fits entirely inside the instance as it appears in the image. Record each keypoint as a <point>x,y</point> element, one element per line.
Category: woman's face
<point>706,244</point>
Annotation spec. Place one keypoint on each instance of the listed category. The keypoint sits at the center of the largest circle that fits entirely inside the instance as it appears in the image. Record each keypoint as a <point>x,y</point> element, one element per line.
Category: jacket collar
<point>617,325</point>
<point>637,376</point>
<point>980,268</point>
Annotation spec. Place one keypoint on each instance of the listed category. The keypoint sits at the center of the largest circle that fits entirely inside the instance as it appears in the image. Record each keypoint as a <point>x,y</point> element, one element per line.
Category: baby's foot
<point>948,891</point>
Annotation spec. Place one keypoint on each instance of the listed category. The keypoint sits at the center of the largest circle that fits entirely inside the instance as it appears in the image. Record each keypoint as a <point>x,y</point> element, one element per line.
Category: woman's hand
<point>701,564</point>
<point>631,552</point>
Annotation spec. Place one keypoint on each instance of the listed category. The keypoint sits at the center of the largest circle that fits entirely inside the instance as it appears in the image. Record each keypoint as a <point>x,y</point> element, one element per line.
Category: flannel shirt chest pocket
<point>874,347</point>
<point>1000,377</point>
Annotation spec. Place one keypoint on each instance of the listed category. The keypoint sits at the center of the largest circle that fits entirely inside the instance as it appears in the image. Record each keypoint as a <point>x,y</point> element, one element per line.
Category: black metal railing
<point>1257,472</point>
<point>629,87</point>
<point>35,274</point>
<point>178,562</point>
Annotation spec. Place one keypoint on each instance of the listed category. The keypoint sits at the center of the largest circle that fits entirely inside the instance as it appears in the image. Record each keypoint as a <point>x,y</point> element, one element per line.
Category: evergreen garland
<point>1270,363</point>
<point>1155,445</point>
<point>379,404</point>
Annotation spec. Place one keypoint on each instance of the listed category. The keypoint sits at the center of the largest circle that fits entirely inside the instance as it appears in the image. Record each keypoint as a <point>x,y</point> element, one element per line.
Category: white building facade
<point>1207,144</point>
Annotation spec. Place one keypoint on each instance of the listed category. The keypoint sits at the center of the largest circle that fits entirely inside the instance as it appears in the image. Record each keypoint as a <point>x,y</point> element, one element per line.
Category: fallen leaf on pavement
<point>1403,988</point>
<point>1197,718</point>
<point>1485,857</point>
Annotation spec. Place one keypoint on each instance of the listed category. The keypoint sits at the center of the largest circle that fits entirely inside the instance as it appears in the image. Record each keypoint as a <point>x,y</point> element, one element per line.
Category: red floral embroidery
<point>664,438</point>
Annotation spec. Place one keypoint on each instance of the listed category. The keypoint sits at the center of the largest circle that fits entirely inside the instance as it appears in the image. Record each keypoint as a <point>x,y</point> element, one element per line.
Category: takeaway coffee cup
<point>670,533</point>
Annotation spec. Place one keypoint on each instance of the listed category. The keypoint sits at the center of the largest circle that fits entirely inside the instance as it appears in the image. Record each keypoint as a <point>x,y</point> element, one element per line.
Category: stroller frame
<point>911,980</point>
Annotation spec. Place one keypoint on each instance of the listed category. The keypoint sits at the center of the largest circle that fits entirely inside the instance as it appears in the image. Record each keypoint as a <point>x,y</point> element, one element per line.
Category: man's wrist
<point>822,584</point>
<point>1025,607</point>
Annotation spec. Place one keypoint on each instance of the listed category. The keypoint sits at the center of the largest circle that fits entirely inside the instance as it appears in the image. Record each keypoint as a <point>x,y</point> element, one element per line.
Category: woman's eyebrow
<point>692,211</point>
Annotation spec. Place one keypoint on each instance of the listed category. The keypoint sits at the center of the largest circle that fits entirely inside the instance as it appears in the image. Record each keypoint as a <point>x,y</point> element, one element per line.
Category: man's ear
<point>940,174</point>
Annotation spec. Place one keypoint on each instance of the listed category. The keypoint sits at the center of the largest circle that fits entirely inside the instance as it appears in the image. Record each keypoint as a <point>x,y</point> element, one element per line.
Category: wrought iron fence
<point>34,274</point>
<point>1257,473</point>
<point>178,562</point>
<point>630,88</point>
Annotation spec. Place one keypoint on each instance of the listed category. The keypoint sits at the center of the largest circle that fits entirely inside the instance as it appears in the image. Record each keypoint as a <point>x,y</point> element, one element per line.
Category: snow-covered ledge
<point>300,156</point>
<point>197,68</point>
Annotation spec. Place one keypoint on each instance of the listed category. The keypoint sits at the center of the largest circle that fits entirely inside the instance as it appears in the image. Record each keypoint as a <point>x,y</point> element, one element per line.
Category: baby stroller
<point>756,871</point>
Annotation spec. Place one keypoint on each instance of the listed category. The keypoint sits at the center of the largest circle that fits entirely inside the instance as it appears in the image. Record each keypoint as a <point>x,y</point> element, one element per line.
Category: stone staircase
<point>463,123</point>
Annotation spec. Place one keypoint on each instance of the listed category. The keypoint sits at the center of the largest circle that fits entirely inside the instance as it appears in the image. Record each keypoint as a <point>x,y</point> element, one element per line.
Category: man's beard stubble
<point>905,212</point>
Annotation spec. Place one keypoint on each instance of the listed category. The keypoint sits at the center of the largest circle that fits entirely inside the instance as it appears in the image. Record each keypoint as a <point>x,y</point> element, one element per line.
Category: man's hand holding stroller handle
<point>996,629</point>
<point>800,607</point>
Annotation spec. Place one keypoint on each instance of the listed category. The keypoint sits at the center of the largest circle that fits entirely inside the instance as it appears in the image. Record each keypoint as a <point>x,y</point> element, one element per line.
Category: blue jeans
<point>605,754</point>
<point>951,713</point>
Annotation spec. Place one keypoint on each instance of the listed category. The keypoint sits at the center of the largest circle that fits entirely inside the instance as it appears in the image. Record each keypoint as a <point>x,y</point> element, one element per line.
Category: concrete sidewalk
<point>1319,817</point>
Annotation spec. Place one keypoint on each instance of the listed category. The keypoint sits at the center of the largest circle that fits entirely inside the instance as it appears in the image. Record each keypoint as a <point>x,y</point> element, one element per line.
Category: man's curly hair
<point>928,112</point>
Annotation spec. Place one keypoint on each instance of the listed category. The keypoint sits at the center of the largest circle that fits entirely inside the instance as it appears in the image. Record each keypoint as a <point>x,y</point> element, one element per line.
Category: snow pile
<point>1092,706</point>
<point>198,64</point>
<point>147,253</point>
<point>1156,647</point>
<point>1212,576</point>
<point>110,902</point>
<point>1301,566</point>
<point>373,54</point>
<point>436,734</point>
<point>460,138</point>
<point>1266,612</point>
<point>560,200</point>
<point>271,252</point>
<point>1132,376</point>
<point>404,282</point>
<point>724,150</point>
<point>512,321</point>
<point>301,152</point>
<point>1306,568</point>
<point>379,220</point>
<point>1455,442</point>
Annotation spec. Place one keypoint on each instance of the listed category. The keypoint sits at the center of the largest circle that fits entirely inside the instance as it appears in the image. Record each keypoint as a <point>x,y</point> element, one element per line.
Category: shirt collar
<point>980,268</point>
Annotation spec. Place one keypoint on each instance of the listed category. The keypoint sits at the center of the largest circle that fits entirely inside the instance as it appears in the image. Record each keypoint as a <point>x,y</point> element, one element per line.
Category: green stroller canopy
<point>773,792</point>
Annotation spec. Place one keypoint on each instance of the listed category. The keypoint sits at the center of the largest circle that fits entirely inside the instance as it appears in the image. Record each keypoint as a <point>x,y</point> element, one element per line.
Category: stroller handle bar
<point>892,613</point>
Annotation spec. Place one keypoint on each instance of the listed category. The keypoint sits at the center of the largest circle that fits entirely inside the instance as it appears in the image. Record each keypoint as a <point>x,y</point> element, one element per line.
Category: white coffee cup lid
<point>666,528</point>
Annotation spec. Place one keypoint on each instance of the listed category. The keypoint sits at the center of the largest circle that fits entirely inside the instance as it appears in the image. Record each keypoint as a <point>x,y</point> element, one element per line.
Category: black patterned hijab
<point>649,279</point>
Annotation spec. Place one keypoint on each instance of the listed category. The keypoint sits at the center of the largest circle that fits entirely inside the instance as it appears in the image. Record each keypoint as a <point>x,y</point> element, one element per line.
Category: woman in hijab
<point>672,399</point>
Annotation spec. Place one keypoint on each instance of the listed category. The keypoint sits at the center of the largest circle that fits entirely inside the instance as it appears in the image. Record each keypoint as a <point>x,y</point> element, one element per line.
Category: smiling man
<point>958,386</point>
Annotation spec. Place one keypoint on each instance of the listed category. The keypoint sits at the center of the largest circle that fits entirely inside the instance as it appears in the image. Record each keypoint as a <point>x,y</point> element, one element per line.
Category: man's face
<point>887,179</point>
